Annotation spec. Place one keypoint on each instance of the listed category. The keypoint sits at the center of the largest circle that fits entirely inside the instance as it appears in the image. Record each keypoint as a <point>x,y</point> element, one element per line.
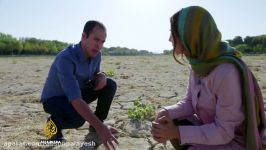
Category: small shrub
<point>131,87</point>
<point>117,63</point>
<point>14,61</point>
<point>110,73</point>
<point>257,69</point>
<point>141,111</point>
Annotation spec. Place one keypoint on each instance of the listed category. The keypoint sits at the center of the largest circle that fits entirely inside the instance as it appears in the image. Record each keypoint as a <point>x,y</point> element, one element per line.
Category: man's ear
<point>84,35</point>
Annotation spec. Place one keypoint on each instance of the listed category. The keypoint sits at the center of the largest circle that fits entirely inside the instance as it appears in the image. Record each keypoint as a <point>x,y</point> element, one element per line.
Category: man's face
<point>93,44</point>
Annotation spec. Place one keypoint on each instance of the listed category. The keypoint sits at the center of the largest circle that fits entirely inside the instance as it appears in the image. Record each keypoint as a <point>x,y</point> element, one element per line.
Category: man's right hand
<point>105,134</point>
<point>114,131</point>
<point>107,137</point>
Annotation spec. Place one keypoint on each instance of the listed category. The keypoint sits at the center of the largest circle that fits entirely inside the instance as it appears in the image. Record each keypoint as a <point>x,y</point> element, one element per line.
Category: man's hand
<point>114,131</point>
<point>107,137</point>
<point>103,131</point>
<point>100,81</point>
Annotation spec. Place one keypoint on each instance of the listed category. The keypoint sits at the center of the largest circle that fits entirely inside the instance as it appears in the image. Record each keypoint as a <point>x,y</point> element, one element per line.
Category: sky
<point>138,24</point>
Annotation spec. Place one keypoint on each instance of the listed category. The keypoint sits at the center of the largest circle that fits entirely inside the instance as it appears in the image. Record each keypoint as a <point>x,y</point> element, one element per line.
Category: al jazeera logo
<point>50,129</point>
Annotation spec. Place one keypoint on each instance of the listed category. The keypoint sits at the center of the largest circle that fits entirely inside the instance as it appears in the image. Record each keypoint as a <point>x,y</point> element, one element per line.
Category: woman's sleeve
<point>182,108</point>
<point>229,113</point>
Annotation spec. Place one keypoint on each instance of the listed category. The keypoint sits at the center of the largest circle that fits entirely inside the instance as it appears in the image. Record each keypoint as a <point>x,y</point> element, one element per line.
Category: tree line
<point>10,45</point>
<point>247,45</point>
<point>28,46</point>
<point>123,51</point>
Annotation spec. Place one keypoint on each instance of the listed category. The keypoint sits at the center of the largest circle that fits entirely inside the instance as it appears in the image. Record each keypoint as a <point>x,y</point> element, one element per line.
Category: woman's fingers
<point>157,129</point>
<point>156,125</point>
<point>155,132</point>
<point>159,139</point>
<point>164,120</point>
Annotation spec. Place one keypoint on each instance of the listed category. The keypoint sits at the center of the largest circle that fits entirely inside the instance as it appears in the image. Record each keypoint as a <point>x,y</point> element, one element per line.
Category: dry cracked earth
<point>158,80</point>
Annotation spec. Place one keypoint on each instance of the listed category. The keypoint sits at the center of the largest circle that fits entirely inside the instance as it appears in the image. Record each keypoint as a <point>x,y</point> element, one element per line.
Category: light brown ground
<point>157,79</point>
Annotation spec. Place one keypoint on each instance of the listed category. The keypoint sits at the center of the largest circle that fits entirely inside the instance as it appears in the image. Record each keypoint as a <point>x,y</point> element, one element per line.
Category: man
<point>74,81</point>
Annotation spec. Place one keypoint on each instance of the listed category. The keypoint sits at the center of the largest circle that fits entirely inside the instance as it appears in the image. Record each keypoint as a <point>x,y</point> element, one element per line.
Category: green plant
<point>14,61</point>
<point>117,63</point>
<point>141,111</point>
<point>110,73</point>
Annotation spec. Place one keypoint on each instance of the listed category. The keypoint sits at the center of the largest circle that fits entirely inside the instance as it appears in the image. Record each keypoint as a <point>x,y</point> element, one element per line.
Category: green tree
<point>244,48</point>
<point>248,40</point>
<point>167,52</point>
<point>236,41</point>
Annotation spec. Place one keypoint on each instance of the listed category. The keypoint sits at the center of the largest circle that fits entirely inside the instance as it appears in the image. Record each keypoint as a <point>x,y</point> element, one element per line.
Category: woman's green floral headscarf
<point>201,39</point>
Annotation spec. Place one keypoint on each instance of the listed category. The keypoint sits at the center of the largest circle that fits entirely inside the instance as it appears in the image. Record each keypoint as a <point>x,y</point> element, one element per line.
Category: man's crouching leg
<point>63,116</point>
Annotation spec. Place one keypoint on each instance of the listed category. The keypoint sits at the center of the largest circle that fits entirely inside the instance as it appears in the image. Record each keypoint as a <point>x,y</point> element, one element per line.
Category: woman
<point>223,107</point>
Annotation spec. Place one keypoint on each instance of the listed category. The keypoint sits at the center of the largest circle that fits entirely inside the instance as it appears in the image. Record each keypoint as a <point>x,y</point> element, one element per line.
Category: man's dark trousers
<point>66,117</point>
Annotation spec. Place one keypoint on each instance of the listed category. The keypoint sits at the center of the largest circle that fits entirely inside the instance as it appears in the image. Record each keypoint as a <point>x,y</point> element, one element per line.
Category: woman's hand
<point>164,129</point>
<point>161,113</point>
<point>158,138</point>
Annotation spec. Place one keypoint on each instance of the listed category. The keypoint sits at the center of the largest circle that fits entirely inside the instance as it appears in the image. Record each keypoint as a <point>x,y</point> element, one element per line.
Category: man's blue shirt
<point>69,72</point>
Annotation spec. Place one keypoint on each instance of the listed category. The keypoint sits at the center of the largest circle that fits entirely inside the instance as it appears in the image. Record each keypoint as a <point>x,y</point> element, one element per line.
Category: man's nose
<point>170,38</point>
<point>99,45</point>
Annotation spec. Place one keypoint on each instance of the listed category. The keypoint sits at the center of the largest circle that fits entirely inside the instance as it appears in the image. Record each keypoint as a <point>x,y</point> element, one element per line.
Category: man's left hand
<point>100,81</point>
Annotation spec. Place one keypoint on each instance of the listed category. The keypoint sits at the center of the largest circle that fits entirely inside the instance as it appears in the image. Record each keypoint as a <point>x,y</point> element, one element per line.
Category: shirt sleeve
<point>98,65</point>
<point>65,71</point>
<point>229,113</point>
<point>183,108</point>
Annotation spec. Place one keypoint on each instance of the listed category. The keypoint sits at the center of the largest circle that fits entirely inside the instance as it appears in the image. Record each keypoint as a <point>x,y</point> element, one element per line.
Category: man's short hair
<point>90,25</point>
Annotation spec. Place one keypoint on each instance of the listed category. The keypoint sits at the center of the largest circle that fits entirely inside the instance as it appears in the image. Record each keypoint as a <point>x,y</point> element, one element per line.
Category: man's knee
<point>74,120</point>
<point>78,123</point>
<point>111,84</point>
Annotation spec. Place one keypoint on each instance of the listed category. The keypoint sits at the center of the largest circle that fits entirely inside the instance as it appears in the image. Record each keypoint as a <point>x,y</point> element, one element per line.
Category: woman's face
<point>178,49</point>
